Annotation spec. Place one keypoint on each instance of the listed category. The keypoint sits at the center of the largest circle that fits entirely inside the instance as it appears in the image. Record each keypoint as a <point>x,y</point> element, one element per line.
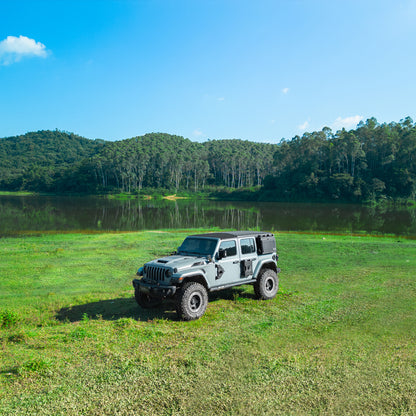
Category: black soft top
<point>234,234</point>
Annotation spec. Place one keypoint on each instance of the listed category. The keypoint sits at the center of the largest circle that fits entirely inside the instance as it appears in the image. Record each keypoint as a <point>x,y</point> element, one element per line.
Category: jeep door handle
<point>236,261</point>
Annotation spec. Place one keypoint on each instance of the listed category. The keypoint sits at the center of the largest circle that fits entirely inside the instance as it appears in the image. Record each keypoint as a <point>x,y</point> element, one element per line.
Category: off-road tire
<point>266,285</point>
<point>145,301</point>
<point>191,301</point>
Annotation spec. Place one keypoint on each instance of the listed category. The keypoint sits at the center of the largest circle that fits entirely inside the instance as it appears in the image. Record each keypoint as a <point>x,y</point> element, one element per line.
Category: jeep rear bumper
<point>153,290</point>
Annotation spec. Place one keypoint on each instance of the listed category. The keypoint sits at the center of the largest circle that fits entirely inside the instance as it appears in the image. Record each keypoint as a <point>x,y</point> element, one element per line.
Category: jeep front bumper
<point>154,290</point>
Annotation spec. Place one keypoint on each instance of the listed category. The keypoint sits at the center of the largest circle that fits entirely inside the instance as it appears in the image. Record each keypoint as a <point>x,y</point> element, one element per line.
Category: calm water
<point>19,214</point>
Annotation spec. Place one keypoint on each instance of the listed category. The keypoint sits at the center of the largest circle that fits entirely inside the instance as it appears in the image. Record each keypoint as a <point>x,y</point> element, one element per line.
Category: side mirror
<point>222,253</point>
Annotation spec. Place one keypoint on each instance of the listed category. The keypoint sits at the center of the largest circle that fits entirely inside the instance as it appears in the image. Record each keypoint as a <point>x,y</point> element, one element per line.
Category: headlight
<point>140,271</point>
<point>168,273</point>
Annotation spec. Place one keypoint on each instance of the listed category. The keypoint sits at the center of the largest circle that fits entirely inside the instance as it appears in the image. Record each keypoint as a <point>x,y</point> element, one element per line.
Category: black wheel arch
<point>198,278</point>
<point>268,265</point>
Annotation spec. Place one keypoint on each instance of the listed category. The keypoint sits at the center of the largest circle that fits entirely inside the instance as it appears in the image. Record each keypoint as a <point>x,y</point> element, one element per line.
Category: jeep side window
<point>229,248</point>
<point>247,246</point>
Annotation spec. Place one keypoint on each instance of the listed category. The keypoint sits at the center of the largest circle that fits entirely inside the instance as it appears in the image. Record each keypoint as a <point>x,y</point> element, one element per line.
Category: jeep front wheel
<point>192,301</point>
<point>266,285</point>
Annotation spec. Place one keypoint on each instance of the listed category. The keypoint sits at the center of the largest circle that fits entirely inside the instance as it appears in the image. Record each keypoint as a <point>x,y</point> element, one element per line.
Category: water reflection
<point>19,214</point>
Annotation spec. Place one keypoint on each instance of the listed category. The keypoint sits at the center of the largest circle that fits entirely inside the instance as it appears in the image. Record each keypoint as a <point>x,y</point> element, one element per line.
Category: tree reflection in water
<point>53,213</point>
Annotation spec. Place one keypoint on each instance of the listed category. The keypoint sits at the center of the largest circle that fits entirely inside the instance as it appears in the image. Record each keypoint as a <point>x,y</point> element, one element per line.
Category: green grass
<point>338,339</point>
<point>16,193</point>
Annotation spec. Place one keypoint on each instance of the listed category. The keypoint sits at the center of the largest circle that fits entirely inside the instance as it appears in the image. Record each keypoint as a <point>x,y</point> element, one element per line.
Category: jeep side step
<point>245,282</point>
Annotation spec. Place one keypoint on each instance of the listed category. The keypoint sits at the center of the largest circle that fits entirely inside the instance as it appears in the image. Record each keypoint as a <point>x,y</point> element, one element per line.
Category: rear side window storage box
<point>266,244</point>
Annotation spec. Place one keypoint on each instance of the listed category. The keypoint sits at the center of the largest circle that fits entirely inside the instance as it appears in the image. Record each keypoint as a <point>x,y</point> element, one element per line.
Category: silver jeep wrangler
<point>207,263</point>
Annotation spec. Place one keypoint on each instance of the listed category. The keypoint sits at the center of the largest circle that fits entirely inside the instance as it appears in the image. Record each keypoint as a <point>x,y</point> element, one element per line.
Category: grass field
<point>16,193</point>
<point>340,337</point>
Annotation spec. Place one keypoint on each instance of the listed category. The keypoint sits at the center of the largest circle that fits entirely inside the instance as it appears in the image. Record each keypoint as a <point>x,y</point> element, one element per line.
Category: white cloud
<point>197,133</point>
<point>303,126</point>
<point>348,122</point>
<point>13,49</point>
<point>285,90</point>
<point>220,99</point>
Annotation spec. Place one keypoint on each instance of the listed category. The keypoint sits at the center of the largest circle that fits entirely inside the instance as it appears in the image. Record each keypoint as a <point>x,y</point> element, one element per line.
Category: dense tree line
<point>60,162</point>
<point>371,162</point>
<point>162,160</point>
<point>237,163</point>
<point>153,160</point>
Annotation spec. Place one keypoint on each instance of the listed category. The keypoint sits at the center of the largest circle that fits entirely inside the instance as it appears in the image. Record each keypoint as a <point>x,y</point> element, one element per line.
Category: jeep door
<point>248,257</point>
<point>227,263</point>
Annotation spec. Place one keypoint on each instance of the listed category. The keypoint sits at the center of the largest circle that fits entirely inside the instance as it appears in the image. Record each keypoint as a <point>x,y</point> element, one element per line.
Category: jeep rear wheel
<point>266,285</point>
<point>145,301</point>
<point>192,301</point>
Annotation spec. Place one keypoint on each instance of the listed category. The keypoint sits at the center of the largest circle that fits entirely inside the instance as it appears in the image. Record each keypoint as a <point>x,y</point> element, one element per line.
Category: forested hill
<point>161,160</point>
<point>371,162</point>
<point>37,160</point>
<point>54,161</point>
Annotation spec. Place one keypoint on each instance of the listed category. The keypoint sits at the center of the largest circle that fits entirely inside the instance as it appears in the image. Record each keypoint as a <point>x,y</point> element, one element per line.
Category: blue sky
<point>204,69</point>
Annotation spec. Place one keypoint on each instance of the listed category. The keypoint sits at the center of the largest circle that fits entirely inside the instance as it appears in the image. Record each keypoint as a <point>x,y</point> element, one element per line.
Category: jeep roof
<point>231,234</point>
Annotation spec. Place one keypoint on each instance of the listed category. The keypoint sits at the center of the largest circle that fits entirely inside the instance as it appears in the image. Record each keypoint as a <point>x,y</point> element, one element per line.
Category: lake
<point>20,214</point>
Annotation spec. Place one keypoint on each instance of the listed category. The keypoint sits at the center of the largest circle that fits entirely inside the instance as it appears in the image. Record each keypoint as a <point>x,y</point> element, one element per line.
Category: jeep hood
<point>178,262</point>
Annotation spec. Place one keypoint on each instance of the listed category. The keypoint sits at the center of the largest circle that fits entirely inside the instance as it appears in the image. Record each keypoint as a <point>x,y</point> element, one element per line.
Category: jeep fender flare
<point>193,277</point>
<point>265,264</point>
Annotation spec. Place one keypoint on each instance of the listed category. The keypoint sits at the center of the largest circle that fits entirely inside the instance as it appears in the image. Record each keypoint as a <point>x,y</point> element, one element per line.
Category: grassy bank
<point>338,339</point>
<point>209,192</point>
<point>16,193</point>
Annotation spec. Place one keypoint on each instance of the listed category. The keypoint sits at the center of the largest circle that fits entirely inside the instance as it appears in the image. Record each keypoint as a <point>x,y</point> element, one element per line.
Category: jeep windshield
<point>195,246</point>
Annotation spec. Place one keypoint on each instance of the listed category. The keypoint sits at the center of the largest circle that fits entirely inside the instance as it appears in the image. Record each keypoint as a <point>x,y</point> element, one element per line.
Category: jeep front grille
<point>155,273</point>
